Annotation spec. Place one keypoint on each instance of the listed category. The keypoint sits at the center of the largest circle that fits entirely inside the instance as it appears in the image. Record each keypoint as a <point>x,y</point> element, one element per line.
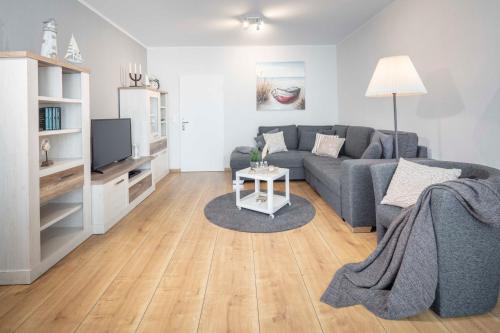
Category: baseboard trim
<point>21,276</point>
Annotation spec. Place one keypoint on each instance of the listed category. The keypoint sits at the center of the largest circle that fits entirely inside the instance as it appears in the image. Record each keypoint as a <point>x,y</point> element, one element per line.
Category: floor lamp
<point>395,76</point>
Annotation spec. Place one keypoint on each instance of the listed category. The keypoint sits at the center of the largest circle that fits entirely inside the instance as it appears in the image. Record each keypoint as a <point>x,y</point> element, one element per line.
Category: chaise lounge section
<point>345,182</point>
<point>467,249</point>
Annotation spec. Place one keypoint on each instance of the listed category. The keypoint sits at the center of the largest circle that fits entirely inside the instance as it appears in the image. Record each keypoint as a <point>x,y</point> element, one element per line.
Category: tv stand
<point>114,194</point>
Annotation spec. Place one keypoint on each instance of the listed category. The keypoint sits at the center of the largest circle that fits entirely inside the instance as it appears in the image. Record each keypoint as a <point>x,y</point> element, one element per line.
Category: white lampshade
<point>395,75</point>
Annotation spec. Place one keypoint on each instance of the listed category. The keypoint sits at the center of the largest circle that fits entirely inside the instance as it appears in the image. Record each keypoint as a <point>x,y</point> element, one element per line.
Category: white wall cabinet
<point>45,211</point>
<point>147,109</point>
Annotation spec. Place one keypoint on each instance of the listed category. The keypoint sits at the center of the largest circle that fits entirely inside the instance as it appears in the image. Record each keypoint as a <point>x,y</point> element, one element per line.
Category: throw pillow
<point>260,141</point>
<point>387,142</point>
<point>328,145</point>
<point>307,140</point>
<point>328,132</point>
<point>275,142</point>
<point>411,179</point>
<point>373,151</point>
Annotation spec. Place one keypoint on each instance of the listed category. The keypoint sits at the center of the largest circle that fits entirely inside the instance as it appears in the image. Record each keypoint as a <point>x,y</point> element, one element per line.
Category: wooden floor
<point>165,268</point>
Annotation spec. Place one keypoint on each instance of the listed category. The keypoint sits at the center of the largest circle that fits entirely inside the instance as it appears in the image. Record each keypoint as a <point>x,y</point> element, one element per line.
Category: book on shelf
<point>49,118</point>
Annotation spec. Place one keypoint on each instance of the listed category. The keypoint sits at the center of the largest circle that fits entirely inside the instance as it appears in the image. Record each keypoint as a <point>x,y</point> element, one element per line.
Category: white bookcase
<point>148,111</point>
<point>45,212</point>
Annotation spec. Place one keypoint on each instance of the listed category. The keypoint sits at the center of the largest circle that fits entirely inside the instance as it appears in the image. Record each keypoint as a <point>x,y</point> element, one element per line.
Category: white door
<point>202,123</point>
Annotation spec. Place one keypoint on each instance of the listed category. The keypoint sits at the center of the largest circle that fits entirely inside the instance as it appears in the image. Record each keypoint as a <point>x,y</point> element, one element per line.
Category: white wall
<point>237,65</point>
<point>104,48</point>
<point>455,47</point>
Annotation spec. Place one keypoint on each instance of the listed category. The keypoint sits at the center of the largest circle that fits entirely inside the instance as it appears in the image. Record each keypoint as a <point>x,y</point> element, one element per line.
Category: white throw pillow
<point>411,179</point>
<point>327,145</point>
<point>275,142</point>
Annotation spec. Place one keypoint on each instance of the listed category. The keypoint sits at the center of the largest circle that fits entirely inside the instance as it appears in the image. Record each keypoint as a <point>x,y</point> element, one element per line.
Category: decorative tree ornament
<point>73,53</point>
<point>45,146</point>
<point>49,42</point>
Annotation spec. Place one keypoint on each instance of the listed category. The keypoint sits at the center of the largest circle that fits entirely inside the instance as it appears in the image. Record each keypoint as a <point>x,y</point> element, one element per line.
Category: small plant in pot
<point>254,158</point>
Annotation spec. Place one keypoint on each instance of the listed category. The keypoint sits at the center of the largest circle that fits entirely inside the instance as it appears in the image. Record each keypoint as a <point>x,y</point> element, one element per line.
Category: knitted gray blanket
<point>399,278</point>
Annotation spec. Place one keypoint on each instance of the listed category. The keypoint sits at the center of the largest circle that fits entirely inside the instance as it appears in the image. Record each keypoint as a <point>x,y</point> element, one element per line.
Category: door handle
<point>184,125</point>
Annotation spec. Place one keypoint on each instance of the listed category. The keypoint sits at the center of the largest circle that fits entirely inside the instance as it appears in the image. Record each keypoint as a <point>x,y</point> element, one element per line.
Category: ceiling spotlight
<point>256,21</point>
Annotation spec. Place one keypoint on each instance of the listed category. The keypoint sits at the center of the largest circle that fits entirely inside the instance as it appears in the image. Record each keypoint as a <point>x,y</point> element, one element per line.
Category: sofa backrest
<point>357,140</point>
<point>312,128</point>
<point>408,143</point>
<point>289,132</point>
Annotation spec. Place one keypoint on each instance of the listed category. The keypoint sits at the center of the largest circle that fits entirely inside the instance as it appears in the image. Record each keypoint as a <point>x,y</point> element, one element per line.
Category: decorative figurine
<point>73,54</point>
<point>45,146</point>
<point>49,43</point>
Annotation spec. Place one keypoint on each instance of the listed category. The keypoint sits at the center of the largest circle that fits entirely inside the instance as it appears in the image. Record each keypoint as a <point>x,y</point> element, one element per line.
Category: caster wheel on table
<point>239,208</point>
<point>271,216</point>
<point>289,204</point>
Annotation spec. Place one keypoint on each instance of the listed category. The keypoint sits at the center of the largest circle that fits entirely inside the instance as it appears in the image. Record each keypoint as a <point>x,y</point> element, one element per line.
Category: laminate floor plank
<point>165,268</point>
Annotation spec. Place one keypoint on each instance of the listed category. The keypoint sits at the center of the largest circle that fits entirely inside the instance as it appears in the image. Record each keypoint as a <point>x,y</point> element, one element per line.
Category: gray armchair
<point>468,250</point>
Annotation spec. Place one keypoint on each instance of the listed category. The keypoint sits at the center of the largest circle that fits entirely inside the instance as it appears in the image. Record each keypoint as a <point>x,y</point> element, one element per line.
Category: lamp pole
<point>396,124</point>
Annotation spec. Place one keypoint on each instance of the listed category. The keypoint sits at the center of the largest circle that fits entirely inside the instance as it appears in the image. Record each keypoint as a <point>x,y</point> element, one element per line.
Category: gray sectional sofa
<point>345,182</point>
<point>467,249</point>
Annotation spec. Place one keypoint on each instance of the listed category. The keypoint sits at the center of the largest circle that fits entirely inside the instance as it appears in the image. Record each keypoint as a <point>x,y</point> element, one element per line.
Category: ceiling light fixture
<point>257,21</point>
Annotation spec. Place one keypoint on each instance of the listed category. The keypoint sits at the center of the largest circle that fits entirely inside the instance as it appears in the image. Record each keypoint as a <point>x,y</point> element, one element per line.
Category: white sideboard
<point>115,194</point>
<point>147,109</point>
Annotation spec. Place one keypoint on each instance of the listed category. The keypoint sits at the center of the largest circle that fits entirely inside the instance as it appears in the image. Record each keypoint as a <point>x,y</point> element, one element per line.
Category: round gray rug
<point>223,212</point>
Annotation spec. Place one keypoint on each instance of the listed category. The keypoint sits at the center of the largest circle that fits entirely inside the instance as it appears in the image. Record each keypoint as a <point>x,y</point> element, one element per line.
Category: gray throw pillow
<point>259,139</point>
<point>328,132</point>
<point>387,142</point>
<point>373,151</point>
<point>244,149</point>
<point>308,138</point>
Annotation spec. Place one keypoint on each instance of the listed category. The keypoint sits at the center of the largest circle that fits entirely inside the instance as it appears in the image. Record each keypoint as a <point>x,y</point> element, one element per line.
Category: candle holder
<point>136,78</point>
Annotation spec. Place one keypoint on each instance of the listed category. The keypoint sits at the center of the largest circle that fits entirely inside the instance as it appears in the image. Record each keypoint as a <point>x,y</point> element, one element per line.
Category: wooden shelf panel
<point>134,180</point>
<point>44,61</point>
<point>48,100</point>
<point>55,238</point>
<point>116,169</point>
<point>60,165</point>
<point>59,132</point>
<point>53,212</point>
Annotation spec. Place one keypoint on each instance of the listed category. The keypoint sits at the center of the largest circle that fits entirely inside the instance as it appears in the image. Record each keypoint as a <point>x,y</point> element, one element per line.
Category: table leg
<point>287,187</point>
<point>270,197</point>
<point>257,186</point>
<point>238,191</point>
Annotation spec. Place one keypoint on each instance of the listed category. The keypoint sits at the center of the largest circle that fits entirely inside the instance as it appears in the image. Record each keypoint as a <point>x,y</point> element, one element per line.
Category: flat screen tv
<point>111,141</point>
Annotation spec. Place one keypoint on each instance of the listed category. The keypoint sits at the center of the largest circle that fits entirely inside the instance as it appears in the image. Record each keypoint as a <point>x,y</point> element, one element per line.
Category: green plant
<point>255,155</point>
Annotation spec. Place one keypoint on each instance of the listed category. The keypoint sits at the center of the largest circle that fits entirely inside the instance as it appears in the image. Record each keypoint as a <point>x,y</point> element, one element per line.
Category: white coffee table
<point>267,203</point>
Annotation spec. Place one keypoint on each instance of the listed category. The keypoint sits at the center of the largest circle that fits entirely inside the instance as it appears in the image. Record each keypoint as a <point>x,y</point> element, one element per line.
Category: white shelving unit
<point>45,210</point>
<point>148,110</point>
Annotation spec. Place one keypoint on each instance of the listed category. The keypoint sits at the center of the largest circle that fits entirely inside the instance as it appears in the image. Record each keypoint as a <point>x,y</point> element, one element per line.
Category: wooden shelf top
<point>44,61</point>
<point>49,100</point>
<point>145,88</point>
<point>60,165</point>
<point>114,170</point>
<point>59,132</point>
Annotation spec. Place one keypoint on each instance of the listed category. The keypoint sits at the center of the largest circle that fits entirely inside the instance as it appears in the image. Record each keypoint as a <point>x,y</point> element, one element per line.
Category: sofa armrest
<point>422,152</point>
<point>381,178</point>
<point>358,204</point>
<point>468,261</point>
